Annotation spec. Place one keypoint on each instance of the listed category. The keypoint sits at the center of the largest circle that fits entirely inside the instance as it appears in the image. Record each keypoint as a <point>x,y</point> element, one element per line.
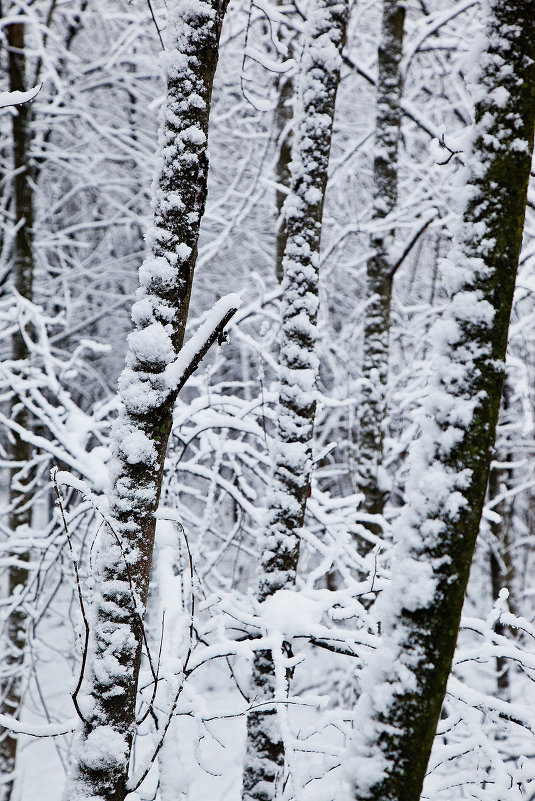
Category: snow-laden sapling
<point>292,472</point>
<point>155,370</point>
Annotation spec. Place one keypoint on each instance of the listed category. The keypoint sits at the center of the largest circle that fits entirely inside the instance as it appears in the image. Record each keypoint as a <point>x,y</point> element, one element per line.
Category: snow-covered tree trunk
<point>264,758</point>
<point>283,119</point>
<point>372,406</point>
<point>19,451</point>
<point>501,558</point>
<point>123,556</point>
<point>404,685</point>
<point>501,565</point>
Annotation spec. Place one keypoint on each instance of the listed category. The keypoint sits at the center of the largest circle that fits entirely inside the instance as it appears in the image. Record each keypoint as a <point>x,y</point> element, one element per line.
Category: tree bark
<point>123,555</point>
<point>19,451</point>
<point>264,759</point>
<point>283,120</point>
<point>404,686</point>
<point>371,410</point>
<point>501,561</point>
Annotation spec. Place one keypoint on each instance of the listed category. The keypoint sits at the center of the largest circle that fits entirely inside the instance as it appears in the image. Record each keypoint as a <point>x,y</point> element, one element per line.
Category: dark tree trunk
<point>19,451</point>
<point>283,119</point>
<point>371,410</point>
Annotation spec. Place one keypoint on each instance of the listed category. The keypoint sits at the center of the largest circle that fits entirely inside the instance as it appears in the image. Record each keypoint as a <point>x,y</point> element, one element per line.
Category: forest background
<point>77,168</point>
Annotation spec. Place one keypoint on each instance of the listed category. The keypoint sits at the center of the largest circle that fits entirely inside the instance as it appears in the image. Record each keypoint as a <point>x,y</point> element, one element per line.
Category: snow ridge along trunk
<point>101,756</point>
<point>404,685</point>
<point>264,760</point>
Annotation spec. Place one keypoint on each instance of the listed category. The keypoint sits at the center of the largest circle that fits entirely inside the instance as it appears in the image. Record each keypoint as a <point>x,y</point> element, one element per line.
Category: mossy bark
<point>400,717</point>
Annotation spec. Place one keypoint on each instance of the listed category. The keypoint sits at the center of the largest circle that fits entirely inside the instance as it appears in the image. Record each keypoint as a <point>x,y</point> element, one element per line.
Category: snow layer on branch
<point>16,98</point>
<point>135,446</point>
<point>38,729</point>
<point>103,746</point>
<point>175,371</point>
<point>151,345</point>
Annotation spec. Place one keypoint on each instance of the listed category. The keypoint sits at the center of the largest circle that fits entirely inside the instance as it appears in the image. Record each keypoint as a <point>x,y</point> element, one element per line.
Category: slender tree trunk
<point>500,567</point>
<point>501,562</point>
<point>379,269</point>
<point>404,686</point>
<point>283,140</point>
<point>19,452</point>
<point>123,558</point>
<point>283,119</point>
<point>264,758</point>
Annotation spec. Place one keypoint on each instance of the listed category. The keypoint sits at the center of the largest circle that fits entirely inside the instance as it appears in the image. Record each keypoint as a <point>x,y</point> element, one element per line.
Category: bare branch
<point>410,246</point>
<point>134,785</point>
<point>218,335</point>
<point>155,23</point>
<point>80,599</point>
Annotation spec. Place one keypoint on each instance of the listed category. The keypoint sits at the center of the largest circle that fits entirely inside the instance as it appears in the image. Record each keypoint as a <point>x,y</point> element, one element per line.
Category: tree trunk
<point>19,451</point>
<point>501,561</point>
<point>379,269</point>
<point>123,556</point>
<point>404,686</point>
<point>500,568</point>
<point>283,119</point>
<point>264,758</point>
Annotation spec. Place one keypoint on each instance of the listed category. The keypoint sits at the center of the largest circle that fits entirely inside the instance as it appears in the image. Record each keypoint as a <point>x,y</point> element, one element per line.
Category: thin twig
<point>74,695</point>
<point>192,609</point>
<point>410,246</point>
<point>236,682</point>
<point>48,25</point>
<point>450,151</point>
<point>155,23</point>
<point>130,581</point>
<point>335,649</point>
<point>244,58</point>
<point>155,682</point>
<point>185,672</point>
